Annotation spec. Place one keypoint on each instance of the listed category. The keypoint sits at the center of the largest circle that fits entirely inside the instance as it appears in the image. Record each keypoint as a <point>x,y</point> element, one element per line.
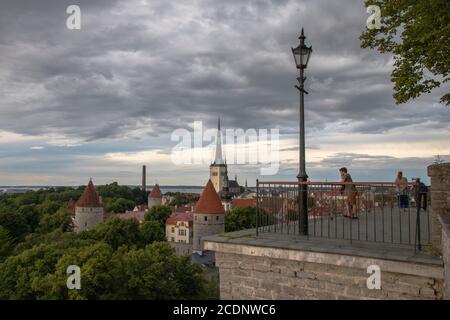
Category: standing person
<point>420,194</point>
<point>402,189</point>
<point>350,192</point>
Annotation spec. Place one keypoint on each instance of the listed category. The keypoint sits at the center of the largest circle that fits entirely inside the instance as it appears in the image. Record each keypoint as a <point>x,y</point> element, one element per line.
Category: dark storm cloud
<point>145,68</point>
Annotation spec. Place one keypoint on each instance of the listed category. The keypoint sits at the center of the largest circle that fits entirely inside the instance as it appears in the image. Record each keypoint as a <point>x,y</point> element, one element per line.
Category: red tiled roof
<point>209,201</point>
<point>182,209</point>
<point>156,192</point>
<point>89,198</point>
<point>243,203</point>
<point>180,216</point>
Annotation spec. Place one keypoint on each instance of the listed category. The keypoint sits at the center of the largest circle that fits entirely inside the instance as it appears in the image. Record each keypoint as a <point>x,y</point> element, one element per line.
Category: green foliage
<point>152,231</point>
<point>32,214</point>
<point>182,199</point>
<point>158,213</point>
<point>15,224</point>
<point>6,245</point>
<point>119,205</point>
<point>119,259</point>
<point>240,218</point>
<point>20,275</point>
<point>116,232</point>
<point>114,190</point>
<point>417,33</point>
<point>153,272</point>
<point>62,220</point>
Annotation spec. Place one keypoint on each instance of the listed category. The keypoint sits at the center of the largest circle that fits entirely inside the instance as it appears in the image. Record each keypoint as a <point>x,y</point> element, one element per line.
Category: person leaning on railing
<point>350,192</point>
<point>420,194</point>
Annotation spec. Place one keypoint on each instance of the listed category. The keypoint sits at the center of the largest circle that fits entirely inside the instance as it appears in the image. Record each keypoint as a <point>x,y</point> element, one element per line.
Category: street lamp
<point>301,56</point>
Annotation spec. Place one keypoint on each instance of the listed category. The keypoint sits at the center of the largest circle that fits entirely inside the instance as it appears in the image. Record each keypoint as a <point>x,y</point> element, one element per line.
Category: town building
<point>88,209</point>
<point>180,232</point>
<point>218,169</point>
<point>218,174</point>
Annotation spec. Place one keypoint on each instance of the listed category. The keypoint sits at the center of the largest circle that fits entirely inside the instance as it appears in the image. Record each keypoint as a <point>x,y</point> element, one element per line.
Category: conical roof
<point>89,198</point>
<point>156,192</point>
<point>209,201</point>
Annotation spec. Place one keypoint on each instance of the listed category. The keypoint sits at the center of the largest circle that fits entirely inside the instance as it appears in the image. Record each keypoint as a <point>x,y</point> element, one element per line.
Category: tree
<point>240,218</point>
<point>417,33</point>
<point>155,272</point>
<point>158,213</point>
<point>62,220</point>
<point>101,277</point>
<point>20,274</point>
<point>15,224</point>
<point>6,244</point>
<point>118,205</point>
<point>152,231</point>
<point>31,214</point>
<point>116,232</point>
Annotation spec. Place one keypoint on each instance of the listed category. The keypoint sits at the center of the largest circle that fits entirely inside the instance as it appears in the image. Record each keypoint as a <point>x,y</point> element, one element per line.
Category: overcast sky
<point>101,101</point>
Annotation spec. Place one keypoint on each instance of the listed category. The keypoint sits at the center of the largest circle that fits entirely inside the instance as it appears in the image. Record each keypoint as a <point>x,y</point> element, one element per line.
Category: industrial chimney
<point>144,179</point>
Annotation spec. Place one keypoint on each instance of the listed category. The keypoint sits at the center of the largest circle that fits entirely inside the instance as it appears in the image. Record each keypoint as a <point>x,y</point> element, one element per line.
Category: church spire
<point>218,159</point>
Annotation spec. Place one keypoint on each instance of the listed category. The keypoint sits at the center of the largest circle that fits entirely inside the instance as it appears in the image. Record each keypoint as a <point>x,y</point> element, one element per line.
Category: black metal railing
<point>369,211</point>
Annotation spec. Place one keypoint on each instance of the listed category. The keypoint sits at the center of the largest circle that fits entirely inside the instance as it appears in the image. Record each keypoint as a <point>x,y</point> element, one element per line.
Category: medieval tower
<point>209,216</point>
<point>88,209</point>
<point>218,169</point>
<point>155,197</point>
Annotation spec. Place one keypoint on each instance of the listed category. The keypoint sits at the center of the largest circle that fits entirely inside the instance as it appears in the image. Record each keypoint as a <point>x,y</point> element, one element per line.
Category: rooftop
<point>89,198</point>
<point>156,192</point>
<point>180,216</point>
<point>209,201</point>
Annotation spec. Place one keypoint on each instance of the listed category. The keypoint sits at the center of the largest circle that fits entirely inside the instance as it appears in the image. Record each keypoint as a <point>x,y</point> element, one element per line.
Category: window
<point>206,218</point>
<point>172,239</point>
<point>173,229</point>
<point>217,218</point>
<point>181,232</point>
<point>214,174</point>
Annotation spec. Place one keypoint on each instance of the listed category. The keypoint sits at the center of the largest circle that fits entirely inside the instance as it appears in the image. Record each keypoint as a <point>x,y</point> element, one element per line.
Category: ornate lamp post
<point>301,57</point>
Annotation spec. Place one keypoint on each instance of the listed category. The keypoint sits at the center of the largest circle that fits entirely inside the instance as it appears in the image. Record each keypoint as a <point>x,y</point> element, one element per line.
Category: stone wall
<point>445,221</point>
<point>87,218</point>
<point>261,272</point>
<point>440,198</point>
<point>214,224</point>
<point>181,249</point>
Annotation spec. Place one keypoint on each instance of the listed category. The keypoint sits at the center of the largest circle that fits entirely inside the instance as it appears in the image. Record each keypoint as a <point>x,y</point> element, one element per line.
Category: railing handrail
<point>393,184</point>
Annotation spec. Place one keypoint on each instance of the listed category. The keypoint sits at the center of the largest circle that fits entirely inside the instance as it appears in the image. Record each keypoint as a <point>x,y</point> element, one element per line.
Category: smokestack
<point>144,179</point>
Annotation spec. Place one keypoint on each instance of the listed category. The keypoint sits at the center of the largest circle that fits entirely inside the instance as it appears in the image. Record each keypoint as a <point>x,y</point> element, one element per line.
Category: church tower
<point>218,169</point>
<point>88,209</point>
<point>209,216</point>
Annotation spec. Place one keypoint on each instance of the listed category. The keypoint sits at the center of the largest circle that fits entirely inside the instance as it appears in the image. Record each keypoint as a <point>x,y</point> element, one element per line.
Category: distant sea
<point>164,189</point>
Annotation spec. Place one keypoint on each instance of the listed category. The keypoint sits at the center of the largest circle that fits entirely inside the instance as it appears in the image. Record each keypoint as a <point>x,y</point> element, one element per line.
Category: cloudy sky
<point>101,101</point>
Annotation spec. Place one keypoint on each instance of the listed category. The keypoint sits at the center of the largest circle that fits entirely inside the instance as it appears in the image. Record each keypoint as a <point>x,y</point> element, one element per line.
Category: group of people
<point>418,188</point>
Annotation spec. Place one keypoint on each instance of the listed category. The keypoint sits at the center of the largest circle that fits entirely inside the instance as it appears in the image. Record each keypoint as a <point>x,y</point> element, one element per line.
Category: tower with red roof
<point>209,216</point>
<point>88,209</point>
<point>155,197</point>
